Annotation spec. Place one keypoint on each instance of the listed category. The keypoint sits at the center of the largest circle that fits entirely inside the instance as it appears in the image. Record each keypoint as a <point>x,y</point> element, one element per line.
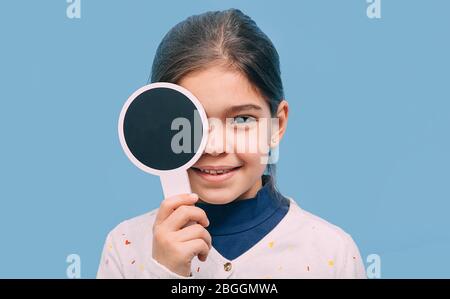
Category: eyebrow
<point>239,108</point>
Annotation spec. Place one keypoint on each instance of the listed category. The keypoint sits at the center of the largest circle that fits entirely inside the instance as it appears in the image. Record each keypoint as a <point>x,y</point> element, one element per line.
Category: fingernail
<point>194,195</point>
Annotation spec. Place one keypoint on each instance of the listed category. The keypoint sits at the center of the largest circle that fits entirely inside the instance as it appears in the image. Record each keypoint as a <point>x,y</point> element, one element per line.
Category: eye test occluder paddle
<point>163,131</point>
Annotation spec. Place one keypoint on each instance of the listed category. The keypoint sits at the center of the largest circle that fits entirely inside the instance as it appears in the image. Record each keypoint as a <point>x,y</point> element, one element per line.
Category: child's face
<point>221,91</point>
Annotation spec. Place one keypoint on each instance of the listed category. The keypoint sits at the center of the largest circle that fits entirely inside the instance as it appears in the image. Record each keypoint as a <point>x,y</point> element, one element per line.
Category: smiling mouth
<point>215,171</point>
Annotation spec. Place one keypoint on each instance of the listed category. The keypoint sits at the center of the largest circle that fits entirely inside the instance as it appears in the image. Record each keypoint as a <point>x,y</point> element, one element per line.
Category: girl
<point>245,227</point>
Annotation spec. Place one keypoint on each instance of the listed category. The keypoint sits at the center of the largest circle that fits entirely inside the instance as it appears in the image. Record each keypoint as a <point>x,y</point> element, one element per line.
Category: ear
<point>282,117</point>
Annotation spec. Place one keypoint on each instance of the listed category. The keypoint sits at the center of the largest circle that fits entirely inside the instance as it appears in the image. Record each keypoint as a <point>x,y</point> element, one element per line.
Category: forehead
<point>218,89</point>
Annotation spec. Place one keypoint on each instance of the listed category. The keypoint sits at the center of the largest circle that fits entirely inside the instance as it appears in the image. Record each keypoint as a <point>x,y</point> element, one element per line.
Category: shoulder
<point>318,231</point>
<point>327,247</point>
<point>136,226</point>
<point>132,237</point>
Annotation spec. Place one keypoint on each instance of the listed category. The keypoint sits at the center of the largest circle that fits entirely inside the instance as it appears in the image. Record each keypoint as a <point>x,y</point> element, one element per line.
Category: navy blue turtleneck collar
<point>244,221</point>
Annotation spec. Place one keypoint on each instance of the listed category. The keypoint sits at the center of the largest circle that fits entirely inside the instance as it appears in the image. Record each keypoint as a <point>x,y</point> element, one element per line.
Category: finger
<point>183,214</point>
<point>197,247</point>
<point>170,204</point>
<point>195,231</point>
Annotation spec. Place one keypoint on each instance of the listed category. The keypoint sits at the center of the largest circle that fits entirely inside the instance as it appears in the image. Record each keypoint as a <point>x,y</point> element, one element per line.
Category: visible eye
<point>243,119</point>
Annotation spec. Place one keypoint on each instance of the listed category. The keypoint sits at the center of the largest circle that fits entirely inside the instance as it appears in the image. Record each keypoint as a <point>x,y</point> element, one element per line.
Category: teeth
<point>216,171</point>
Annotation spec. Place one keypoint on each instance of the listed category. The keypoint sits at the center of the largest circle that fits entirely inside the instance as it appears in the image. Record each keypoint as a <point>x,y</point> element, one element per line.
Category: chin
<point>216,197</point>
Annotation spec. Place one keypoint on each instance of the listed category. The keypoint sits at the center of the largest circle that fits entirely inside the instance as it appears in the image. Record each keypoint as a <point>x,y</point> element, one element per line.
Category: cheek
<point>252,148</point>
<point>254,163</point>
<point>254,141</point>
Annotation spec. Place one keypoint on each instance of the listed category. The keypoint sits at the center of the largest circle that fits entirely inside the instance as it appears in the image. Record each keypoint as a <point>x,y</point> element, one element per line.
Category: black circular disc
<point>148,133</point>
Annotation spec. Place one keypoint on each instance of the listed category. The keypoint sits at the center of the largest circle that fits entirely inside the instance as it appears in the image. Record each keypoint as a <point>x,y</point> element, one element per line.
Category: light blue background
<point>367,146</point>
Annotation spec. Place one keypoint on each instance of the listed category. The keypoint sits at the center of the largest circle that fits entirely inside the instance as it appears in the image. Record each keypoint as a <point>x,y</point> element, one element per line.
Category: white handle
<point>175,182</point>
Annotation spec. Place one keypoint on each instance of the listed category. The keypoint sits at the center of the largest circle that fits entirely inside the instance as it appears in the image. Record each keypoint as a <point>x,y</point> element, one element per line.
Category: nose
<point>216,144</point>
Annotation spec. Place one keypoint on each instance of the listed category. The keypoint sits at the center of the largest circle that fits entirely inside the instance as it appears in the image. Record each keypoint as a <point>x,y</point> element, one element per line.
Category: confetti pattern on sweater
<point>127,242</point>
<point>271,244</point>
<point>331,263</point>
